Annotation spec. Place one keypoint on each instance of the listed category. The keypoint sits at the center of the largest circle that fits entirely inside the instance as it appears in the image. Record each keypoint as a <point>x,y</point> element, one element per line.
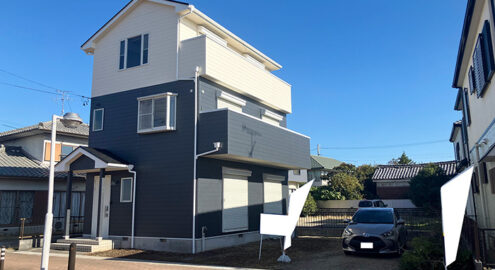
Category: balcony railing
<point>248,139</point>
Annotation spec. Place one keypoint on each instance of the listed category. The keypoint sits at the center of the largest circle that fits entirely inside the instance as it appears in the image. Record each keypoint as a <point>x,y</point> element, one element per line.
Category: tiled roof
<point>398,172</point>
<point>82,130</point>
<point>319,162</point>
<point>14,162</point>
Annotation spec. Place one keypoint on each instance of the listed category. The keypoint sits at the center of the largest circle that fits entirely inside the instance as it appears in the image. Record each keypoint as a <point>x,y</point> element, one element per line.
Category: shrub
<point>424,188</point>
<point>310,207</point>
<point>427,253</point>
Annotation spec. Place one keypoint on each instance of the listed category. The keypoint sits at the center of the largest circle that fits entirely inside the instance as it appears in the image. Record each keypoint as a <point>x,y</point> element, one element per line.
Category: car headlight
<point>389,233</point>
<point>346,232</point>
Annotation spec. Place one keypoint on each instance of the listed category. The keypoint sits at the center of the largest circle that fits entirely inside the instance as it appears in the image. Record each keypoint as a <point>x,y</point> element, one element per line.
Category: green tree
<point>364,174</point>
<point>402,160</point>
<point>310,206</point>
<point>347,185</point>
<point>424,189</point>
<point>343,168</point>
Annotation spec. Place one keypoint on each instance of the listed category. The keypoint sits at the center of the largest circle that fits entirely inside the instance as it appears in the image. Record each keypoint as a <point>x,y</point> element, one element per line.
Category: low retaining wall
<point>355,203</point>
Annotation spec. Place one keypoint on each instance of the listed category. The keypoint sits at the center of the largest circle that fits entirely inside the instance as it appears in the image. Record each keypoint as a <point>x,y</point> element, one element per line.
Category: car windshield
<point>380,217</point>
<point>365,204</point>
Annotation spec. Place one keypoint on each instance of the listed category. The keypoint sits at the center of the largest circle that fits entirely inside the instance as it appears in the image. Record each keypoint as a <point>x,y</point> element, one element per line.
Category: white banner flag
<point>454,196</point>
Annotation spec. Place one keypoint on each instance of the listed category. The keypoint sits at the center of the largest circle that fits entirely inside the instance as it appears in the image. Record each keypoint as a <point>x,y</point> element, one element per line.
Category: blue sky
<point>363,73</point>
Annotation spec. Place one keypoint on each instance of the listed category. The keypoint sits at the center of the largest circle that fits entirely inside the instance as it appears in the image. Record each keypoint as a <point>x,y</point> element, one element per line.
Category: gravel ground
<point>306,253</point>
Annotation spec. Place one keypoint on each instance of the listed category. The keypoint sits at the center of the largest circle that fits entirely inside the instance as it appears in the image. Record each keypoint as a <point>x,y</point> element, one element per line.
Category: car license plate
<point>366,245</point>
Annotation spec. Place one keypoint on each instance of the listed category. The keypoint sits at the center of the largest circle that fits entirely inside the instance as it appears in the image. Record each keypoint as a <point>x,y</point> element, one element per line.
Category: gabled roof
<point>102,160</point>
<point>183,8</point>
<point>319,162</point>
<point>457,124</point>
<point>14,162</point>
<point>404,172</point>
<point>81,131</point>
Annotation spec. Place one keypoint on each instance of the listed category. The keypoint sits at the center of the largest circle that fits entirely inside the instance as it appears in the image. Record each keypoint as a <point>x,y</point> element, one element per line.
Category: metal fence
<point>481,241</point>
<point>332,221</point>
<point>28,228</point>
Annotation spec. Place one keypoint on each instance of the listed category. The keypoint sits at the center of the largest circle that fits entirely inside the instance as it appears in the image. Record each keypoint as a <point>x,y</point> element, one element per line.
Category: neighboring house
<point>320,167</point>
<point>24,161</point>
<point>473,78</point>
<point>169,85</point>
<point>392,181</point>
<point>297,178</point>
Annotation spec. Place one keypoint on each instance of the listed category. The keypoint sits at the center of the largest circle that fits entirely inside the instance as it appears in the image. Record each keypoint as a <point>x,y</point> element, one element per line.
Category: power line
<point>30,88</point>
<point>40,84</point>
<point>44,91</point>
<point>379,146</point>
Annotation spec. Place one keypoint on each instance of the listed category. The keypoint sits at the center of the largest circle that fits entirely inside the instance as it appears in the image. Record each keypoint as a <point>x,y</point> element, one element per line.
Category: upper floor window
<point>133,51</point>
<point>98,119</point>
<point>483,62</point>
<point>157,112</point>
<point>225,100</point>
<point>297,172</point>
<point>61,150</point>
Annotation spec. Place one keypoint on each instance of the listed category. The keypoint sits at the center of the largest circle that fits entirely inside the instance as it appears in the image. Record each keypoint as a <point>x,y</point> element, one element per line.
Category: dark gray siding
<point>88,203</point>
<point>120,213</point>
<point>82,163</point>
<point>208,100</point>
<point>163,161</point>
<point>210,194</point>
<point>252,139</point>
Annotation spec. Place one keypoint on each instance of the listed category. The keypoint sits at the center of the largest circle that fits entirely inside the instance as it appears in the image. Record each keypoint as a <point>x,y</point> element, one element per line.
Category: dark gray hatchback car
<point>375,230</point>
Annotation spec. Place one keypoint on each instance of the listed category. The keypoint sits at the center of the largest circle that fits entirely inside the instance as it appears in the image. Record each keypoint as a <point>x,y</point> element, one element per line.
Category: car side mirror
<point>385,205</point>
<point>400,222</point>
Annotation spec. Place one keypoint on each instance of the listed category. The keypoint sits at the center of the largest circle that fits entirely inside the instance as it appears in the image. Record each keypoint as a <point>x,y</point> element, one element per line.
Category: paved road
<point>337,260</point>
<point>30,261</point>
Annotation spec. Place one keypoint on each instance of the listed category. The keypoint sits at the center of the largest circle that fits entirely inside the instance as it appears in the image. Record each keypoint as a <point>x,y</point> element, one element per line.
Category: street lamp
<point>69,120</point>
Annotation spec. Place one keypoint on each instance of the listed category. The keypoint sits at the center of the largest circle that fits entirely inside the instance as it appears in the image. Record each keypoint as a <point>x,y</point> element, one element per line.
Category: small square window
<point>98,119</point>
<point>126,189</point>
<point>297,172</point>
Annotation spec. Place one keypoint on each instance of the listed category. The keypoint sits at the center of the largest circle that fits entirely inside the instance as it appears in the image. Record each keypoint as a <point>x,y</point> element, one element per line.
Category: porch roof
<point>97,159</point>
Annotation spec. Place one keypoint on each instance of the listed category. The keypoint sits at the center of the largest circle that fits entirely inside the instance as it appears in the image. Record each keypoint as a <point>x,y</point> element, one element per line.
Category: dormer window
<point>133,51</point>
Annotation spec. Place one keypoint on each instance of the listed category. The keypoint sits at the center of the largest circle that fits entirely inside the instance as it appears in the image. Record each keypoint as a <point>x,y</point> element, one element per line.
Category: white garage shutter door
<point>235,203</point>
<point>273,197</point>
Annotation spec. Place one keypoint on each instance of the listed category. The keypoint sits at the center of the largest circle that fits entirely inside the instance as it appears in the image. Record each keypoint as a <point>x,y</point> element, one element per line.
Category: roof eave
<point>462,43</point>
<point>88,46</point>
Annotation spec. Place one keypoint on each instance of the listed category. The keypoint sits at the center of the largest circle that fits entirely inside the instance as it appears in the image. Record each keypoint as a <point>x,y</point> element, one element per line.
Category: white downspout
<point>191,8</point>
<point>481,184</point>
<point>196,74</point>
<point>129,168</point>
<point>217,146</point>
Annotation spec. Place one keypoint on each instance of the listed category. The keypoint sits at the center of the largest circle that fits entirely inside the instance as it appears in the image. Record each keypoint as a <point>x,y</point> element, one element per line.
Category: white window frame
<point>234,101</point>
<point>167,126</point>
<point>271,117</point>
<point>142,51</point>
<point>57,142</point>
<point>121,189</point>
<point>102,119</point>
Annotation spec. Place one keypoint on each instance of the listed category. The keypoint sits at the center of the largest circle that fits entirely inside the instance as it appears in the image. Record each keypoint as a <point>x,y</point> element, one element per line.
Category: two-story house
<point>188,141</point>
<point>24,163</point>
<point>474,137</point>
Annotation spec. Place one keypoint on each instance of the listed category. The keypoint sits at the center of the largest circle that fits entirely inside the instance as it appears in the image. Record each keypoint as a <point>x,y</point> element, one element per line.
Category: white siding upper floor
<point>222,56</point>
<point>157,20</point>
<point>482,109</point>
